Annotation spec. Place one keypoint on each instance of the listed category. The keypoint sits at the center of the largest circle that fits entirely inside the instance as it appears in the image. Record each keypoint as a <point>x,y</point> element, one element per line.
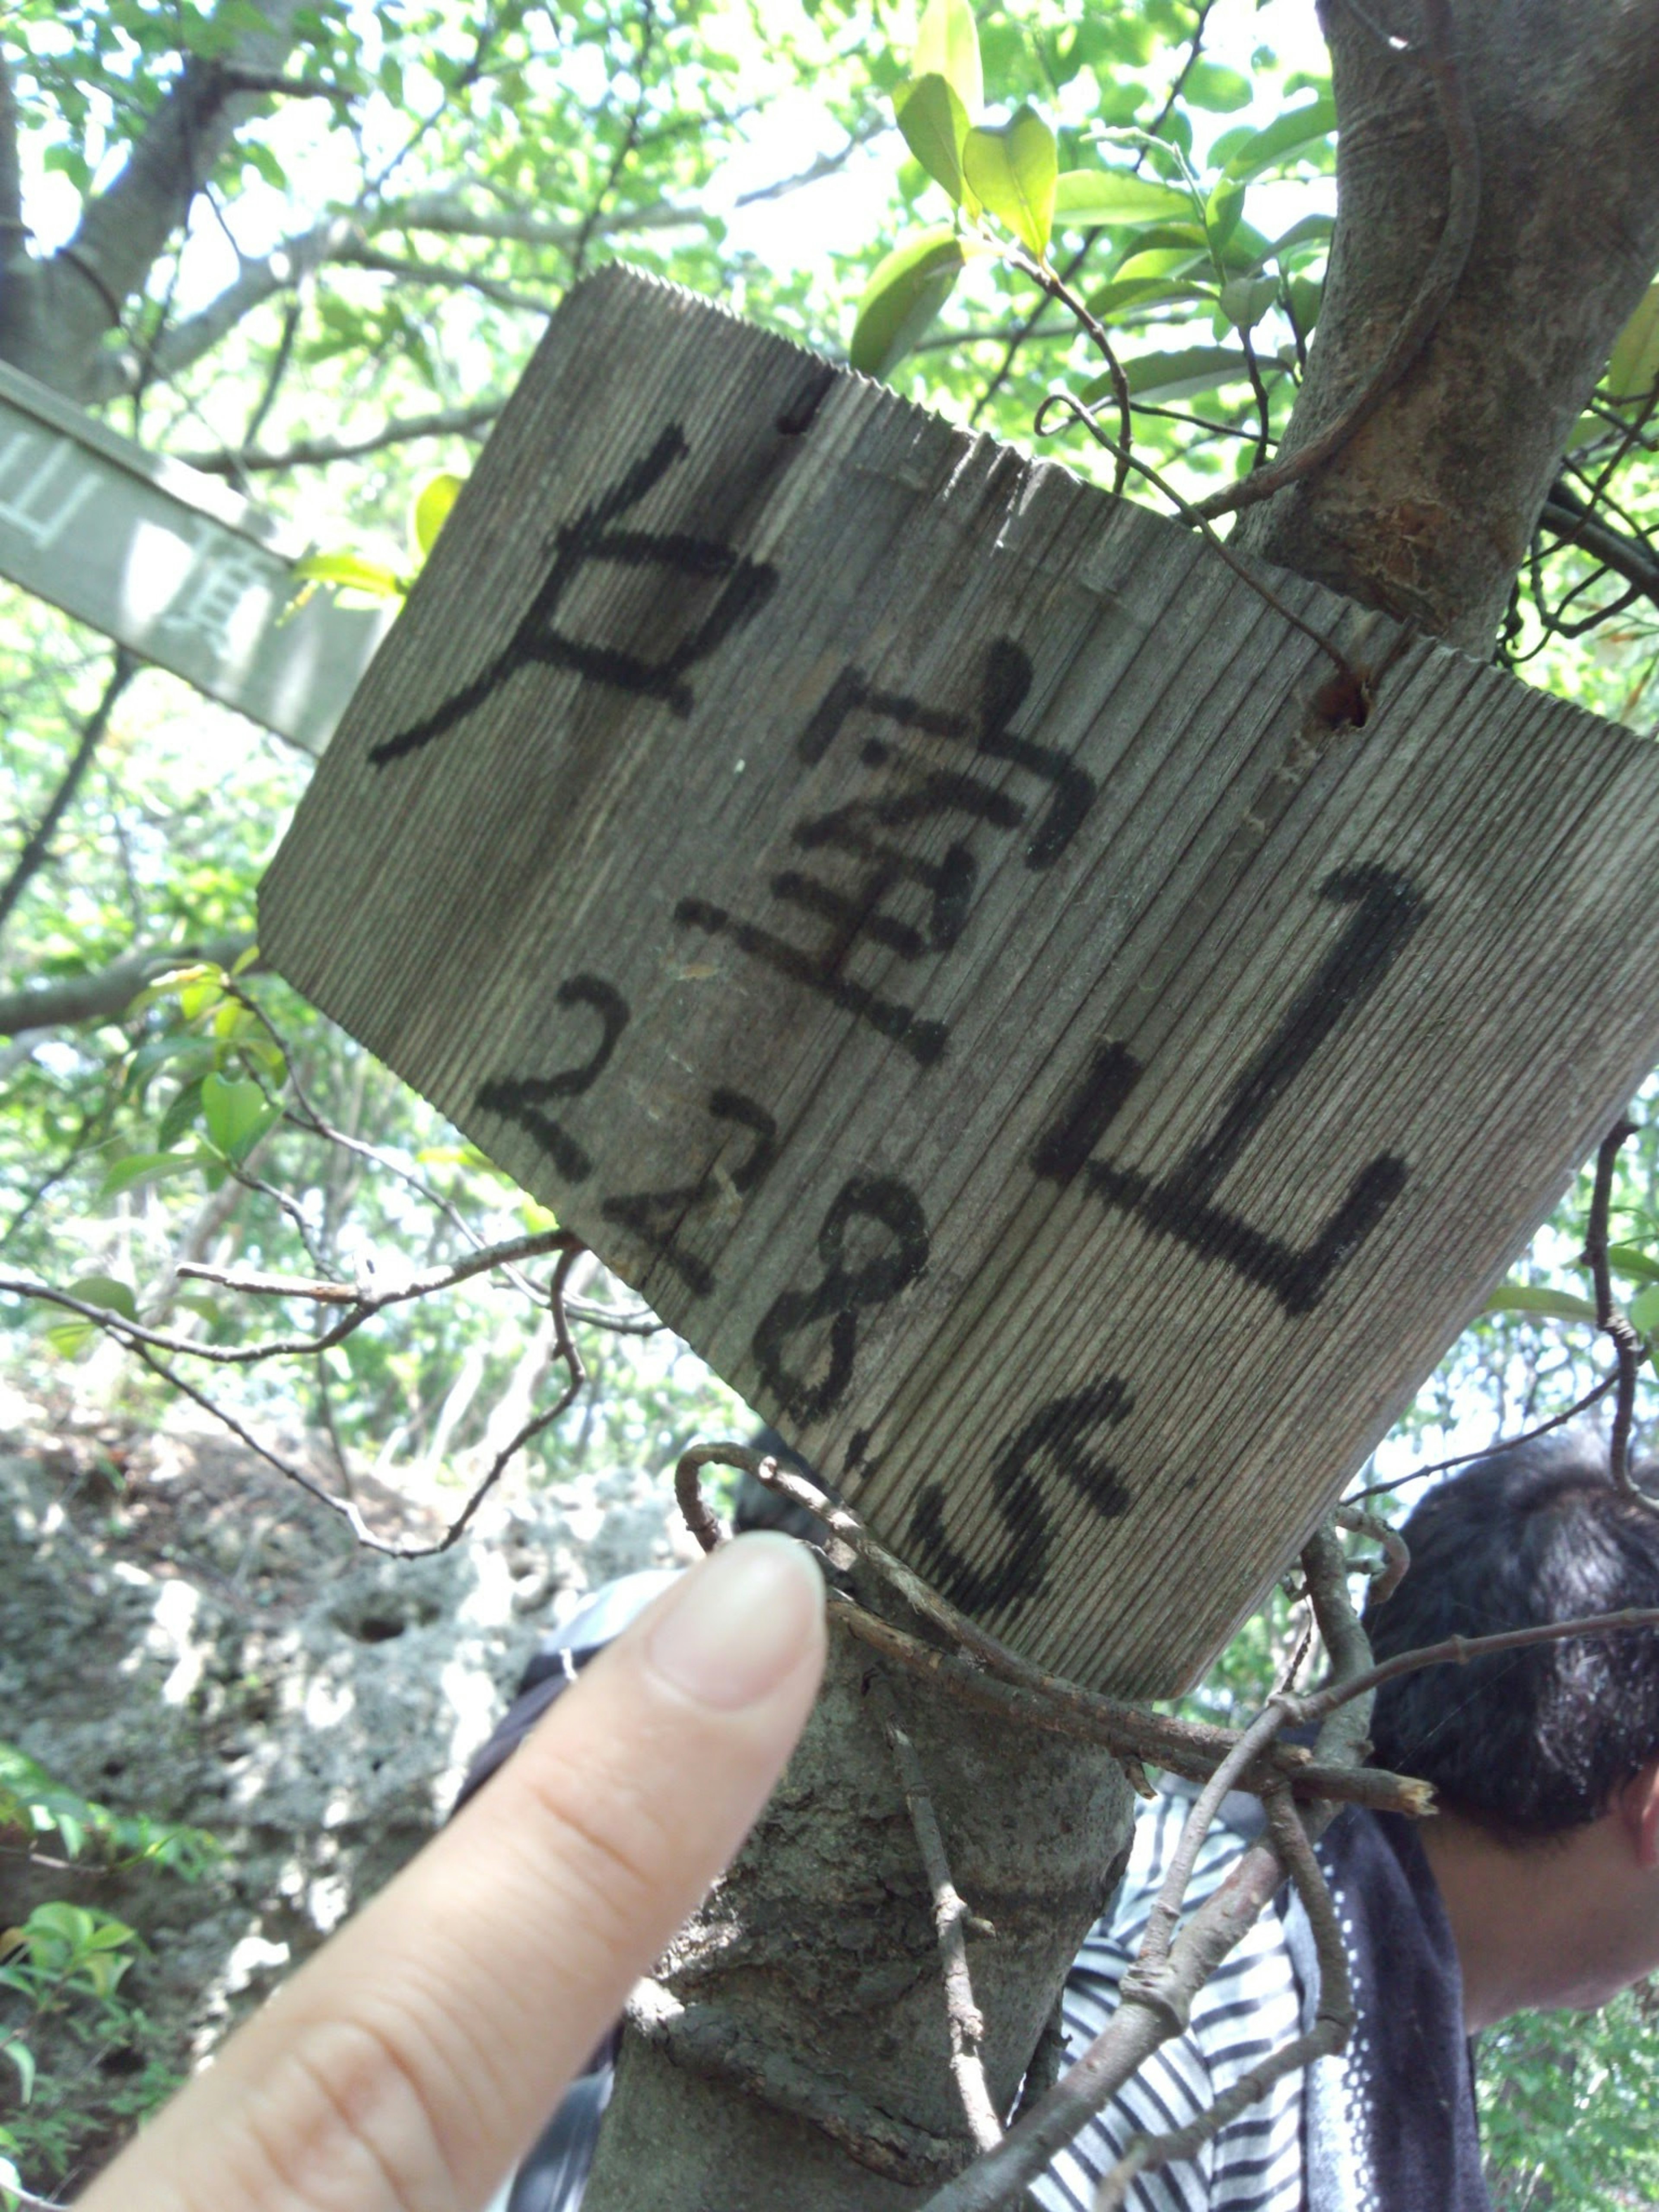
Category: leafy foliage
<point>369,260</point>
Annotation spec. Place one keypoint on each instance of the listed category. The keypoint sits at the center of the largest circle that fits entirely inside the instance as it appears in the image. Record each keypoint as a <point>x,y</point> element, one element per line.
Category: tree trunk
<point>810,1983</point>
<point>814,1964</point>
<point>1428,509</point>
<point>813,1973</point>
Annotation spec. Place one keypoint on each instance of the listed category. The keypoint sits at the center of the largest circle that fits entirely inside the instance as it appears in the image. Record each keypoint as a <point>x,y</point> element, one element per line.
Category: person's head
<point>1536,1742</point>
<point>1546,1760</point>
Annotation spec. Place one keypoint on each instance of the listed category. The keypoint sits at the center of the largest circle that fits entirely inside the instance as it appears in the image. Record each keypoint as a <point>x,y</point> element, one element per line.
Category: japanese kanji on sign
<point>911,914</point>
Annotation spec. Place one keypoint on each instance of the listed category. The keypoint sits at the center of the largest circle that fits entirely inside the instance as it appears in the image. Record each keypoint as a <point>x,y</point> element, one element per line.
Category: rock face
<point>188,1636</point>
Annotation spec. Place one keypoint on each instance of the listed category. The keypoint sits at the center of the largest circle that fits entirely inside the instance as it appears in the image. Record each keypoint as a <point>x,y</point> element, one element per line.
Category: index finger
<point>409,2064</point>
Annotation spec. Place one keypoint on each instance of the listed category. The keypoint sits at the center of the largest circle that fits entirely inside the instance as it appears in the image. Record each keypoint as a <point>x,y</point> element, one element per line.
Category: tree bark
<point>1428,509</point>
<point>814,1962</point>
<point>794,2050</point>
<point>57,312</point>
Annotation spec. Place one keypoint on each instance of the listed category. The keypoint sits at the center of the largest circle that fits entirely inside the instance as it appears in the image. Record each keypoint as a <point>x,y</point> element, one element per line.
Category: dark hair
<point>1531,1743</point>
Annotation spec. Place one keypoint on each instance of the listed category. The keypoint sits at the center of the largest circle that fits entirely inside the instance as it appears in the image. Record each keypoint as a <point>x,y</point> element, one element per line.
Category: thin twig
<point>1395,1563</point>
<point>1058,289</point>
<point>1356,685</point>
<point>1005,368</point>
<point>361,1304</point>
<point>952,1918</point>
<point>1610,1316</point>
<point>1333,2021</point>
<point>1189,1748</point>
<point>347,1508</point>
<point>1487,1451</point>
<point>1440,281</point>
<point>36,848</point>
<point>1165,1915</point>
<point>1155,1993</point>
<point>1462,1650</point>
<point>981,1670</point>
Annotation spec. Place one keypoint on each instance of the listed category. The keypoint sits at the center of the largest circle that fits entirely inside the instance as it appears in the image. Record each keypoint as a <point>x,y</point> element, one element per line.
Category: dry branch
<point>1610,1316</point>
<point>952,1919</point>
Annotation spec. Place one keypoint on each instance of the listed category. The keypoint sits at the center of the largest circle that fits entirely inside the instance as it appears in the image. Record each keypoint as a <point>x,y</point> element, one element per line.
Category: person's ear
<point>1639,1808</point>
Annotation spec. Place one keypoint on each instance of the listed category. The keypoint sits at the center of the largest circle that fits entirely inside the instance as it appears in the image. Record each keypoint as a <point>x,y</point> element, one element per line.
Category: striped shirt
<point>1250,2006</point>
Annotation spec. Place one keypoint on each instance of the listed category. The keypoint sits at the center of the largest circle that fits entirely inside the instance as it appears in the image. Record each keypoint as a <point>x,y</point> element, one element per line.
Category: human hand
<point>411,2062</point>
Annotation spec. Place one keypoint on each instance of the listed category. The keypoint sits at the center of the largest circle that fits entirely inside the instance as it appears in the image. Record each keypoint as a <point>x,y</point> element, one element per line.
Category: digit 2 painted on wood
<point>906,909</point>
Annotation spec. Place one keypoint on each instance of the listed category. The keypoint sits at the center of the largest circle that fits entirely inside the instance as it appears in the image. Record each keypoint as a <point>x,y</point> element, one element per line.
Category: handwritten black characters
<point>1054,1436</point>
<point>594,536</point>
<point>889,897</point>
<point>1388,912</point>
<point>880,1213</point>
<point>656,1218</point>
<point>523,1099</point>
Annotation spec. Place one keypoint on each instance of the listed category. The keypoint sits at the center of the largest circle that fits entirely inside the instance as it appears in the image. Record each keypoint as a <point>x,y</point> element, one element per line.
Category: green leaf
<point>23,2059</point>
<point>935,125</point>
<point>1141,292</point>
<point>1245,299</point>
<point>1306,300</point>
<point>141,1168</point>
<point>68,1335</point>
<point>1631,1260</point>
<point>1014,167</point>
<point>237,1115</point>
<point>431,511</point>
<point>947,46</point>
<point>195,1053</point>
<point>1634,367</point>
<point>1086,198</point>
<point>1174,375</point>
<point>1222,214</point>
<point>1302,240</point>
<point>1537,1299</point>
<point>110,1292</point>
<point>1644,1310</point>
<point>1246,153</point>
<point>1210,85</point>
<point>349,572</point>
<point>904,298</point>
<point>183,1112</point>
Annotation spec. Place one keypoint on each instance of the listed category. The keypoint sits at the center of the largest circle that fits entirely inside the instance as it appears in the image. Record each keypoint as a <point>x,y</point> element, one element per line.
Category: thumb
<point>415,2056</point>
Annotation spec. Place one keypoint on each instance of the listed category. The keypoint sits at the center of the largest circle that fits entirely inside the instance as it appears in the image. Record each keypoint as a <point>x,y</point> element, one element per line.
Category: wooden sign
<point>170,563</point>
<point>908,912</point>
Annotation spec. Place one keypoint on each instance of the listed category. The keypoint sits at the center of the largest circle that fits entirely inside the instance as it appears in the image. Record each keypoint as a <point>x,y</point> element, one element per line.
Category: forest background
<point>308,250</point>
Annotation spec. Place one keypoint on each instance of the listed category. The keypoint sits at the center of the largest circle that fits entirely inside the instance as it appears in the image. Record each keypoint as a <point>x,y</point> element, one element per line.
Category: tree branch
<point>1440,280</point>
<point>1155,1993</point>
<point>1024,1694</point>
<point>1611,1318</point>
<point>1569,518</point>
<point>37,846</point>
<point>354,254</point>
<point>260,279</point>
<point>106,994</point>
<point>951,1920</point>
<point>319,452</point>
<point>125,228</point>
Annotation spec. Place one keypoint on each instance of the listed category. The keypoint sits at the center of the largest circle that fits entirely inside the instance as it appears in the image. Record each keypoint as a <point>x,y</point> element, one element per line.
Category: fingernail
<point>740,1622</point>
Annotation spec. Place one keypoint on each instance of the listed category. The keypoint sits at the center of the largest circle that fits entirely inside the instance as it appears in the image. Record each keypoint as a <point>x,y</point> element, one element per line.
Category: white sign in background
<point>173,565</point>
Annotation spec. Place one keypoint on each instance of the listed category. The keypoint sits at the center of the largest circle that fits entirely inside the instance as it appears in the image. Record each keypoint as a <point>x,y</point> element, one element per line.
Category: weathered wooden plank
<point>906,910</point>
<point>172,563</point>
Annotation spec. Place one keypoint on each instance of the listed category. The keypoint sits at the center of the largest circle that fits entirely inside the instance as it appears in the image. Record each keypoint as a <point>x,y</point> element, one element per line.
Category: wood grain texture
<point>901,906</point>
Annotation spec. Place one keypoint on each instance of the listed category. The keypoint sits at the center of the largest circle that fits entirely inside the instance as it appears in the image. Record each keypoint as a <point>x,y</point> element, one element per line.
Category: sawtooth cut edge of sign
<point>906,909</point>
